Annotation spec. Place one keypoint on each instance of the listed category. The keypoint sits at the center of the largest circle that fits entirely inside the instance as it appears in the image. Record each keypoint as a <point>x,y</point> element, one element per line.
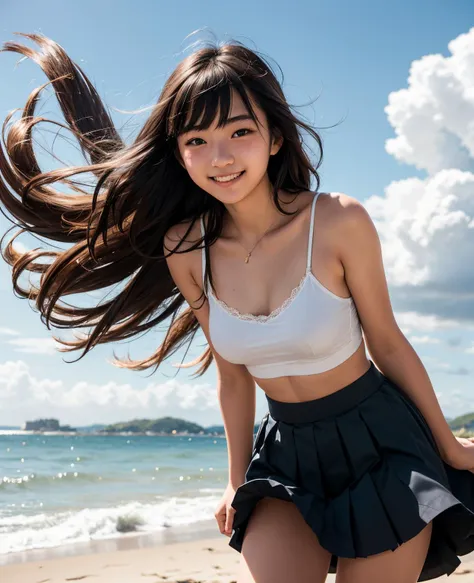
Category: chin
<point>230,196</point>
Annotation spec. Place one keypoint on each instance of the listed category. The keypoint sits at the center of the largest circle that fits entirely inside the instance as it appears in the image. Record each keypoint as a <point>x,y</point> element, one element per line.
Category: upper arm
<point>181,269</point>
<point>361,256</point>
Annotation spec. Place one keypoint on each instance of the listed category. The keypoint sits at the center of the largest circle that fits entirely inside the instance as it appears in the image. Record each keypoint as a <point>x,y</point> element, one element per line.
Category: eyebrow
<point>228,121</point>
<point>243,116</point>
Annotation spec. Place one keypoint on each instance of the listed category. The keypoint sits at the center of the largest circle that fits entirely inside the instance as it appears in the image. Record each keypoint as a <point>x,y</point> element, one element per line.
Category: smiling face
<point>229,160</point>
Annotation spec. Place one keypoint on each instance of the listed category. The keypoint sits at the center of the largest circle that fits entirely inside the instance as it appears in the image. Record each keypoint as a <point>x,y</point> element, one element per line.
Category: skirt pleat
<point>366,479</point>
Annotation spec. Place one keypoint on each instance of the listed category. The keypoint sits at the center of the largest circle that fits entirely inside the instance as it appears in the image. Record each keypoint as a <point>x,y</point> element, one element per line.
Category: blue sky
<point>385,73</point>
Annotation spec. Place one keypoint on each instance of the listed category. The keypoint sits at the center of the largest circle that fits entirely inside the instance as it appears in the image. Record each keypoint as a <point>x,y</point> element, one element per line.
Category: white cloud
<point>47,346</point>
<point>8,332</point>
<point>426,225</point>
<point>23,396</point>
<point>413,321</point>
<point>427,232</point>
<point>433,117</point>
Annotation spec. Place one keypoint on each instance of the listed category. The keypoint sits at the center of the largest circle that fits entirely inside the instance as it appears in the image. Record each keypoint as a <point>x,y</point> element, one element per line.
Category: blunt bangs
<point>205,96</point>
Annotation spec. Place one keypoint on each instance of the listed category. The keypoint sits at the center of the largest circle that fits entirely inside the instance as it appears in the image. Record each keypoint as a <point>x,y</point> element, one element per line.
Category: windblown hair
<point>116,229</point>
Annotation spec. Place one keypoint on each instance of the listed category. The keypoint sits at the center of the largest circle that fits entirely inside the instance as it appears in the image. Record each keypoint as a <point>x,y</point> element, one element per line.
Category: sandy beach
<point>208,559</point>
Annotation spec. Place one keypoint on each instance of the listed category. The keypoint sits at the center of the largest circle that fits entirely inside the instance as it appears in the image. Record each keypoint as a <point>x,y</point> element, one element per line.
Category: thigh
<point>403,565</point>
<point>280,547</point>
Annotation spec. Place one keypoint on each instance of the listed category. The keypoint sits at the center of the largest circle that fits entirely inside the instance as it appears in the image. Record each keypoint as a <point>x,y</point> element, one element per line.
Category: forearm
<point>237,403</point>
<point>403,366</point>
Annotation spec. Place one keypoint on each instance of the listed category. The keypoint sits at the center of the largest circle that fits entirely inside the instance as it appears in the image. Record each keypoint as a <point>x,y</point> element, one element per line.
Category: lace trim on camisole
<point>295,291</point>
<point>262,317</point>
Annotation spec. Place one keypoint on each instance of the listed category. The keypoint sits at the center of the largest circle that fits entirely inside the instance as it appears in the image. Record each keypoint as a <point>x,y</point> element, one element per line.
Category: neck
<point>251,217</point>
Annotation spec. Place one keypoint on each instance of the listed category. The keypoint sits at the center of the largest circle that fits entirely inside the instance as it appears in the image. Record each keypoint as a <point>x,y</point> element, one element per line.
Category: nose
<point>222,157</point>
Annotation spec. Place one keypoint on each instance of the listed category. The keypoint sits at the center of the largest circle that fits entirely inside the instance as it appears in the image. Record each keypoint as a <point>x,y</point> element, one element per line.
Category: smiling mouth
<point>228,177</point>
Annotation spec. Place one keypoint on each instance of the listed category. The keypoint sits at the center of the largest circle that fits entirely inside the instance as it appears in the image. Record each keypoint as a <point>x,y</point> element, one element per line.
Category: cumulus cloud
<point>426,225</point>
<point>427,230</point>
<point>434,116</point>
<point>25,396</point>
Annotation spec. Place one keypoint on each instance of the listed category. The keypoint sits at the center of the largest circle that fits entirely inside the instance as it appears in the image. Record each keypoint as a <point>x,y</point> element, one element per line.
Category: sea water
<point>60,489</point>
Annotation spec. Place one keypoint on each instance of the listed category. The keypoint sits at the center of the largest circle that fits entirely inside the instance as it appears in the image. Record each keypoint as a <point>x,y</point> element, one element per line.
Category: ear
<point>277,142</point>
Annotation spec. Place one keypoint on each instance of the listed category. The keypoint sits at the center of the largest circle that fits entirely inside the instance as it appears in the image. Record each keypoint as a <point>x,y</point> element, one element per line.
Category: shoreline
<point>200,561</point>
<point>205,529</point>
<point>180,554</point>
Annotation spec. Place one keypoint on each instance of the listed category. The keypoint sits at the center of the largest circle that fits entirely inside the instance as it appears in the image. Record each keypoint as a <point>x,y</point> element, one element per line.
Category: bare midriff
<point>309,387</point>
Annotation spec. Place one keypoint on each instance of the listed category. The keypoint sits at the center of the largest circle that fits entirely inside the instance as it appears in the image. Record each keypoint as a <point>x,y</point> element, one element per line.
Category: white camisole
<point>314,330</point>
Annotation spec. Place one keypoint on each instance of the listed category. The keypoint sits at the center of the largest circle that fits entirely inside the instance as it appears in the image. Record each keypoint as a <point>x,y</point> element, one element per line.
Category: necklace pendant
<point>247,259</point>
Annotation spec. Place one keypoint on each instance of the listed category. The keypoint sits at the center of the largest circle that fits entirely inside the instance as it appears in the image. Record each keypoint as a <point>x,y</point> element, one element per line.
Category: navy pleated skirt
<point>362,467</point>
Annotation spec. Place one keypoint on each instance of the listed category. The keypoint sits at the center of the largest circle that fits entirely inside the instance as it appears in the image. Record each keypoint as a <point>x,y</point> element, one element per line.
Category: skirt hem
<point>365,474</point>
<point>251,492</point>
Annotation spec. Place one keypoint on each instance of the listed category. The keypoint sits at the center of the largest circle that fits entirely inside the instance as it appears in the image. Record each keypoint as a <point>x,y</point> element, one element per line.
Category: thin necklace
<point>249,253</point>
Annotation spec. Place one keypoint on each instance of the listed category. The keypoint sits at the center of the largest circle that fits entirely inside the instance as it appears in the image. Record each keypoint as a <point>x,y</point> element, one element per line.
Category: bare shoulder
<point>184,264</point>
<point>344,211</point>
<point>341,206</point>
<point>345,220</point>
<point>360,252</point>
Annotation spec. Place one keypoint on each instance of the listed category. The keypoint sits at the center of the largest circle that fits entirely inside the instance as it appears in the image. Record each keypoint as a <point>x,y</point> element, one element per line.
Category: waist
<point>336,403</point>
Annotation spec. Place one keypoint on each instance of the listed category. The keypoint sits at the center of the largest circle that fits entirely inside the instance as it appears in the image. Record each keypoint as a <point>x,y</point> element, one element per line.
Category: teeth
<point>226,178</point>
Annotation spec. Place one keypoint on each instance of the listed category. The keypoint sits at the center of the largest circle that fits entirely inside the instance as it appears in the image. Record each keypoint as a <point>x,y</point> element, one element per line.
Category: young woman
<point>209,221</point>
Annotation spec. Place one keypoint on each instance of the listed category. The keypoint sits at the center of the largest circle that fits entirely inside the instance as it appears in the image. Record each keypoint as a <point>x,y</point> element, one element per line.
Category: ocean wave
<point>23,532</point>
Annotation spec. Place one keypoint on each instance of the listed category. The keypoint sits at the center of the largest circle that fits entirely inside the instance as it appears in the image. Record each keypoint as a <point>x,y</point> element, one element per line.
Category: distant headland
<point>463,425</point>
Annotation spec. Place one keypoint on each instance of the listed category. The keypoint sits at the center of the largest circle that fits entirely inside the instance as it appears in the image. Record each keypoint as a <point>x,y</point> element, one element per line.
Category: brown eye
<point>190,142</point>
<point>244,130</point>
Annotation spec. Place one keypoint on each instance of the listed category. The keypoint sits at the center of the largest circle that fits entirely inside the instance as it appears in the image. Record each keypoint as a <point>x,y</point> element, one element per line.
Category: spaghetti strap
<point>311,228</point>
<point>203,257</point>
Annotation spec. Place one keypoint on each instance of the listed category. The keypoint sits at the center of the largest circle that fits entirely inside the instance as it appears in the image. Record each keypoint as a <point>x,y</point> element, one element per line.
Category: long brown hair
<point>116,229</point>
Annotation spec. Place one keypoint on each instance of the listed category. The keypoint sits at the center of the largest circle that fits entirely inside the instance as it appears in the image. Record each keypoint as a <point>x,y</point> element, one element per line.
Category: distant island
<point>463,425</point>
<point>45,425</point>
<point>161,426</point>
